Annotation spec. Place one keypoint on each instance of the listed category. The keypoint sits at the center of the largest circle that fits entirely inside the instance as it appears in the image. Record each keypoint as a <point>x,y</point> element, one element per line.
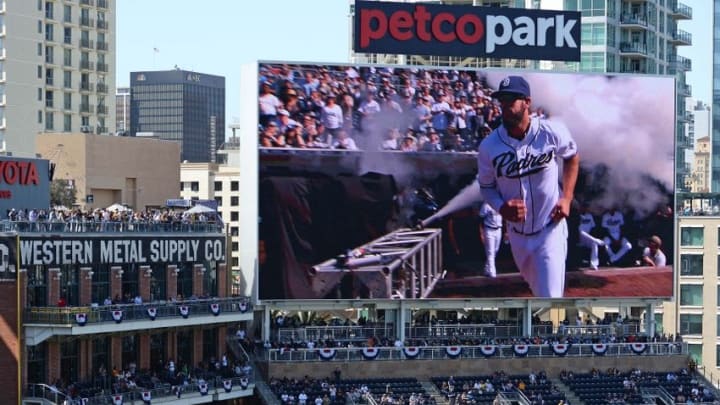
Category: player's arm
<point>567,150</point>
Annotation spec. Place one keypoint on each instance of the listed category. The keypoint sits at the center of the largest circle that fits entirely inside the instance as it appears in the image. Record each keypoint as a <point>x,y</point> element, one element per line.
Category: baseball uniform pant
<point>588,241</point>
<point>540,257</point>
<point>492,238</point>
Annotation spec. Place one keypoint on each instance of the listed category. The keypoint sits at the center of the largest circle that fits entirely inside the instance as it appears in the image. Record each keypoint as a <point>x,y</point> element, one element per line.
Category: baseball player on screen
<point>519,176</point>
<point>491,235</point>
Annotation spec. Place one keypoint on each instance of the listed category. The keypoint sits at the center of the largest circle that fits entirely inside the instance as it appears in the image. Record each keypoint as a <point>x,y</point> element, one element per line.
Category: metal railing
<point>215,386</point>
<point>473,352</point>
<point>657,392</point>
<point>336,332</point>
<point>597,330</point>
<point>84,226</point>
<point>133,312</point>
<point>473,330</point>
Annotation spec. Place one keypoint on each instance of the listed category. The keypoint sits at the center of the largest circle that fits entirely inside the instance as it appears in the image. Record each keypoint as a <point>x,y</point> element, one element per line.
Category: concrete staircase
<point>435,393</point>
<point>569,395</point>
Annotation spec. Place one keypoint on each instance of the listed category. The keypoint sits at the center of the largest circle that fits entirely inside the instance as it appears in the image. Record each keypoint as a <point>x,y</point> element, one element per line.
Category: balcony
<point>101,46</point>
<point>102,24</point>
<point>632,69</point>
<point>87,3</point>
<point>87,65</point>
<point>633,49</point>
<point>43,322</point>
<point>88,226</point>
<point>684,90</point>
<point>679,11</point>
<point>686,142</point>
<point>87,22</point>
<point>681,37</point>
<point>679,63</point>
<point>685,116</point>
<point>633,21</point>
<point>101,109</point>
<point>86,43</point>
<point>86,87</point>
<point>102,88</point>
<point>102,67</point>
<point>86,109</point>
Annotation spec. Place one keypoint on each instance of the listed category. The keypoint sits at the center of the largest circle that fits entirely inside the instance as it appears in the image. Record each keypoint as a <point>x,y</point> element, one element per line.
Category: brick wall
<point>144,352</point>
<point>116,353</point>
<point>53,286</point>
<point>221,344</point>
<point>197,345</point>
<point>222,280</point>
<point>9,341</point>
<point>198,274</point>
<point>116,283</point>
<point>144,282</point>
<point>85,286</point>
<point>53,361</point>
<point>171,281</point>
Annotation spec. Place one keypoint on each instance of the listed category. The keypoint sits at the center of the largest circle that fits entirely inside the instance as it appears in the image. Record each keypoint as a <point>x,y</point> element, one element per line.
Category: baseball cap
<point>284,112</point>
<point>513,85</point>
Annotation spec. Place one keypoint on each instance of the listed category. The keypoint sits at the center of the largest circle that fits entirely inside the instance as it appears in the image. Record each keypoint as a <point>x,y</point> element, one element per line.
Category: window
<point>691,236</point>
<point>49,76</point>
<point>717,356</point>
<point>67,79</point>
<point>691,294</point>
<point>40,93</point>
<point>234,186</point>
<point>67,122</point>
<point>49,121</point>
<point>67,101</point>
<point>36,363</point>
<point>592,62</point>
<point>182,186</point>
<point>691,265</point>
<point>219,201</point>
<point>234,231</point>
<point>234,201</point>
<point>67,57</point>
<point>49,99</point>
<point>234,216</point>
<point>67,17</point>
<point>39,48</point>
<point>67,35</point>
<point>49,32</point>
<point>236,247</point>
<point>690,324</point>
<point>194,186</point>
<point>218,186</point>
<point>36,286</point>
<point>49,54</point>
<point>39,72</point>
<point>40,116</point>
<point>210,344</point>
<point>130,348</point>
<point>658,324</point>
<point>695,351</point>
<point>101,353</point>
<point>69,360</point>
<point>100,288</point>
<point>593,34</point>
<point>49,10</point>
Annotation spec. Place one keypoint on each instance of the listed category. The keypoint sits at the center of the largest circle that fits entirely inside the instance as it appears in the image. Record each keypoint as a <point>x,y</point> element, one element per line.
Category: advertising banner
<point>466,31</point>
<point>415,182</point>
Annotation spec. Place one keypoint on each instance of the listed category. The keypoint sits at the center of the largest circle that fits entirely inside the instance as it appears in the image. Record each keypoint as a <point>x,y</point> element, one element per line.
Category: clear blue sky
<point>217,36</point>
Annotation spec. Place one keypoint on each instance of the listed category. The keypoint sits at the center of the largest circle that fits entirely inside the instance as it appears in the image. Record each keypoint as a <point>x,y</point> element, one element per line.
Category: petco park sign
<point>451,30</point>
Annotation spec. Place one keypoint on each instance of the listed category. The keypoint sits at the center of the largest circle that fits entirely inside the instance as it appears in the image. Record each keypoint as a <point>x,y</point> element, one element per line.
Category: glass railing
<point>95,314</point>
<point>84,226</point>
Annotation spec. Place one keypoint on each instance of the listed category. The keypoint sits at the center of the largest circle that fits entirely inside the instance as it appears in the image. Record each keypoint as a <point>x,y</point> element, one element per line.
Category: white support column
<point>266,324</point>
<point>650,320</point>
<point>527,319</point>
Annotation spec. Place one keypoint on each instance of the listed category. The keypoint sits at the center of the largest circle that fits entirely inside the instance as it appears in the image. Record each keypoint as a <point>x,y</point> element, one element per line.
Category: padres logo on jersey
<point>507,165</point>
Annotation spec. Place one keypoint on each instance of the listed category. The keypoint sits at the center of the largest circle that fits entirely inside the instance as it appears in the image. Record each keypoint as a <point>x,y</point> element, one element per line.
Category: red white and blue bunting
<point>203,388</point>
<point>370,353</point>
<point>215,308</point>
<point>146,397</point>
<point>326,353</point>
<point>521,350</point>
<point>152,313</point>
<point>227,385</point>
<point>117,399</point>
<point>117,315</point>
<point>184,311</point>
<point>599,349</point>
<point>243,307</point>
<point>638,348</point>
<point>411,352</point>
<point>488,351</point>
<point>560,349</point>
<point>81,319</point>
<point>453,351</point>
<point>244,382</point>
<point>84,401</point>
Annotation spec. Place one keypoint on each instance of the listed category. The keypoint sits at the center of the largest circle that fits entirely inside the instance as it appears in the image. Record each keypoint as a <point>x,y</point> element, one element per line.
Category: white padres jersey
<point>491,218</point>
<point>587,222</point>
<point>612,222</point>
<point>526,169</point>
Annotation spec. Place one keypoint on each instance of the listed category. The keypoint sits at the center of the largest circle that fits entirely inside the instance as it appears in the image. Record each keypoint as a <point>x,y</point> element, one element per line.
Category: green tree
<point>62,193</point>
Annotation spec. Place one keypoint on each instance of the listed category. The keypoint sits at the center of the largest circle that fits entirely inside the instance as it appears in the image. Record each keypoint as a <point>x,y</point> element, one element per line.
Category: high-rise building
<point>122,110</point>
<point>57,70</point>
<point>701,166</point>
<point>179,105</point>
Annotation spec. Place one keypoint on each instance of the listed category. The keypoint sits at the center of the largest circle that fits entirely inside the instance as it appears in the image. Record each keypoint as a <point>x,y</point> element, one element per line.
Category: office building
<point>57,70</point>
<point>122,111</point>
<point>182,106</point>
<point>220,182</point>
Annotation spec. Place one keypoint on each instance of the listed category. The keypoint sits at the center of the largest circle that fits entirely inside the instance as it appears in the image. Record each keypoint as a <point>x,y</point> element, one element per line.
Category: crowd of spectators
<point>483,389</point>
<point>107,220</point>
<point>175,377</point>
<point>374,108</point>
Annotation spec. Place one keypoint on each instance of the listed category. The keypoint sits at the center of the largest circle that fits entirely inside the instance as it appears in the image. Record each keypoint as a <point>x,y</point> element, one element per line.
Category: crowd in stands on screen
<point>414,105</point>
